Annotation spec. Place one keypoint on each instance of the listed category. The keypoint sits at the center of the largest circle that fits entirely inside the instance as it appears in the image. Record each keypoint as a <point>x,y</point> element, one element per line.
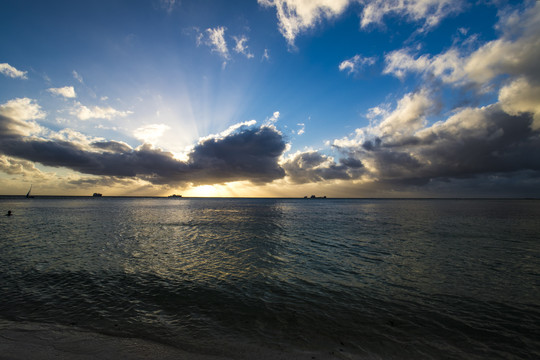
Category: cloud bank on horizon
<point>466,120</point>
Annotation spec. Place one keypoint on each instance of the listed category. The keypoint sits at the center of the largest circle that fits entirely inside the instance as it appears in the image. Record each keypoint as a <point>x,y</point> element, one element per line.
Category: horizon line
<point>281,197</point>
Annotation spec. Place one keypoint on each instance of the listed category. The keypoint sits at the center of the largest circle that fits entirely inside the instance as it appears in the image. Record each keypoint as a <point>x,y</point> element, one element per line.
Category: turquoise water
<point>403,279</point>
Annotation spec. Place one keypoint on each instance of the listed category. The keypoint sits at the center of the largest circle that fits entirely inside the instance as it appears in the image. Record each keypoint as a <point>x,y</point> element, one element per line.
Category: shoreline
<point>42,341</point>
<point>27,340</point>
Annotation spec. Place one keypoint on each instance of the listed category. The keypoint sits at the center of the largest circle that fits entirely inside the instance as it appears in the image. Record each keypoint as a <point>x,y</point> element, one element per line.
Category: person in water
<point>9,213</point>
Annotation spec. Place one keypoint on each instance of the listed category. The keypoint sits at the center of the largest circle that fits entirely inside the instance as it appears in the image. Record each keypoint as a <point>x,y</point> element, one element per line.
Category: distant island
<point>175,196</point>
<point>97,195</point>
<point>315,197</point>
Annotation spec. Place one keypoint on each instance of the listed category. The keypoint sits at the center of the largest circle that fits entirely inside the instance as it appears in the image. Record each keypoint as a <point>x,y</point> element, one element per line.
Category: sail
<point>28,193</point>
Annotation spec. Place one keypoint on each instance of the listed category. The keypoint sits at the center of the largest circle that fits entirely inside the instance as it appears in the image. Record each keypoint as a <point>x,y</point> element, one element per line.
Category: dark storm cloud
<point>250,154</point>
<point>371,144</point>
<point>475,143</point>
<point>113,146</point>
<point>313,167</point>
<point>100,181</point>
<point>351,163</point>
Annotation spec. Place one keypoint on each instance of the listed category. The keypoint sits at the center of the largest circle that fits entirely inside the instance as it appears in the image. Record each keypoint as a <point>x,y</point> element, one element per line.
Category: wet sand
<point>43,342</point>
<point>35,341</point>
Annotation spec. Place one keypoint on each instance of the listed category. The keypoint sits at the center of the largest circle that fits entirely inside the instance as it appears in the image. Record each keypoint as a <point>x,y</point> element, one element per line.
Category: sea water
<point>377,279</point>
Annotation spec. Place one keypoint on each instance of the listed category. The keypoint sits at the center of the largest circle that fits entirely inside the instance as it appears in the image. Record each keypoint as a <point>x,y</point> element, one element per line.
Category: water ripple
<point>382,279</point>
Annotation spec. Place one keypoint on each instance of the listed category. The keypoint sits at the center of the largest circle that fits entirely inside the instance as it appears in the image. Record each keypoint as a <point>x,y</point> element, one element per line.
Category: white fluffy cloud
<point>516,53</point>
<point>431,12</point>
<point>216,41</point>
<point>66,91</point>
<point>295,16</point>
<point>230,130</point>
<point>16,117</point>
<point>11,72</point>
<point>151,133</point>
<point>409,116</point>
<point>520,97</point>
<point>273,119</point>
<point>241,46</point>
<point>354,64</point>
<point>96,112</point>
<point>302,129</point>
<point>22,109</point>
<point>447,66</point>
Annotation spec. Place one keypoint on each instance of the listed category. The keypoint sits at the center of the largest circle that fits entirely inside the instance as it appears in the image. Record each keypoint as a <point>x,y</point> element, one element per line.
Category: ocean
<point>287,278</point>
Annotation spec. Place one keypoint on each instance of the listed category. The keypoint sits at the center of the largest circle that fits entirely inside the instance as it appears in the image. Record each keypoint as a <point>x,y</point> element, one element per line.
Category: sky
<point>270,98</point>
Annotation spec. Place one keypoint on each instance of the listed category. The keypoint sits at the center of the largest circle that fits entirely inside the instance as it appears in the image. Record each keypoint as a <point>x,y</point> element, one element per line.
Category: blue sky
<point>345,98</point>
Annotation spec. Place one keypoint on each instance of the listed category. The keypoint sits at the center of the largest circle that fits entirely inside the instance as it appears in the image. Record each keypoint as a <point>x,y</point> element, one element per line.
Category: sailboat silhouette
<point>28,196</point>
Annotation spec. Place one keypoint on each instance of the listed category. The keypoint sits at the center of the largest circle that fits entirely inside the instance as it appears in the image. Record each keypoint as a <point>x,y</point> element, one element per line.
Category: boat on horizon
<point>28,196</point>
<point>175,196</point>
<point>97,195</point>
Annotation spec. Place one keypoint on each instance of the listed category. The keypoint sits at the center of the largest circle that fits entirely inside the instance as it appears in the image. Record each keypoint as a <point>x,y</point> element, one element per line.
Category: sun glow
<point>207,191</point>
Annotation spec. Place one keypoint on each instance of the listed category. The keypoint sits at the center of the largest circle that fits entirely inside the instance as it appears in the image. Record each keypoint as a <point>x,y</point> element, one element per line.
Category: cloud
<point>66,91</point>
<point>216,41</point>
<point>490,146</point>
<point>430,12</point>
<point>168,5</point>
<point>296,16</point>
<point>408,117</point>
<point>241,46</point>
<point>514,53</point>
<point>22,109</point>
<point>18,167</point>
<point>302,129</point>
<point>17,115</point>
<point>520,97</point>
<point>273,119</point>
<point>403,148</point>
<point>96,112</point>
<point>150,133</point>
<point>242,153</point>
<point>508,65</point>
<point>266,55</point>
<point>448,66</point>
<point>312,166</point>
<point>77,77</point>
<point>230,130</point>
<point>396,126</point>
<point>11,72</point>
<point>251,154</point>
<point>354,64</point>
<point>112,146</point>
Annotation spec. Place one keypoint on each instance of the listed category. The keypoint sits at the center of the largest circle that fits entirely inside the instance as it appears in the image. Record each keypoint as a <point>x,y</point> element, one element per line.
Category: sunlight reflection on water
<point>439,275</point>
